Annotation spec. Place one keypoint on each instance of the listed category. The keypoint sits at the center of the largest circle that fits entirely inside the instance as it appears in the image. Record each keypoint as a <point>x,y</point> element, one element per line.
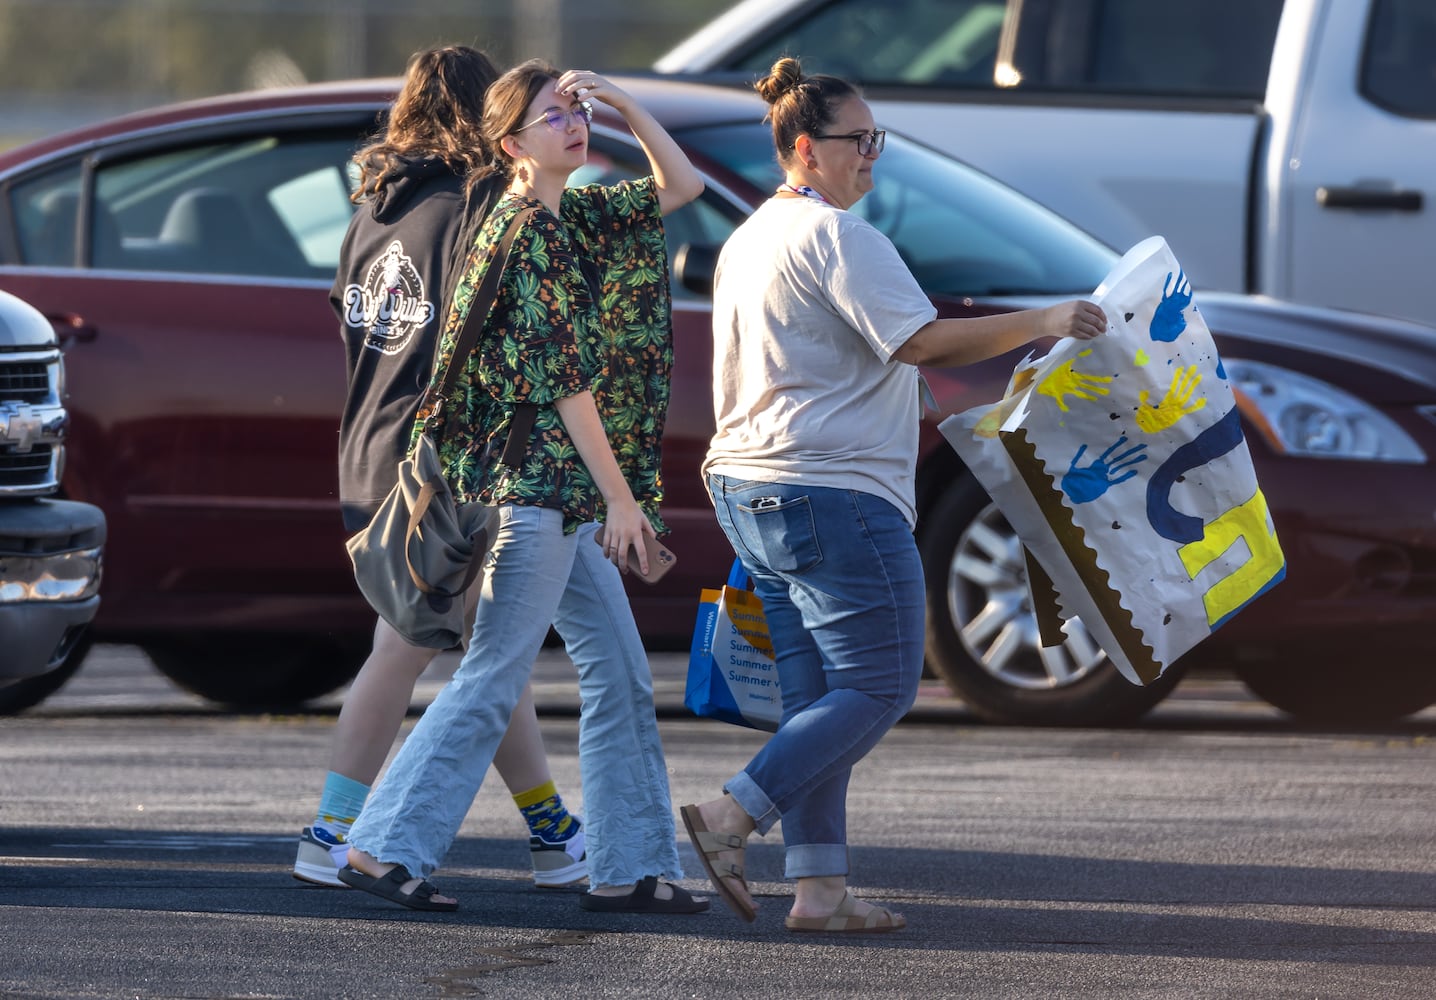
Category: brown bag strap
<point>482,305</point>
<point>478,317</point>
<point>435,595</point>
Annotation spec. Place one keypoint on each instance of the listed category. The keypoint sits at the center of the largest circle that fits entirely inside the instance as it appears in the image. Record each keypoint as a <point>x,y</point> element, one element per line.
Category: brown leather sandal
<point>845,920</point>
<point>709,846</point>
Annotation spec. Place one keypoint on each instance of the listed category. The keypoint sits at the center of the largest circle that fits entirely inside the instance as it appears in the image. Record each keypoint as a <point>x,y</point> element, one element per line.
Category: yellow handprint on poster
<point>1174,404</point>
<point>1067,381</point>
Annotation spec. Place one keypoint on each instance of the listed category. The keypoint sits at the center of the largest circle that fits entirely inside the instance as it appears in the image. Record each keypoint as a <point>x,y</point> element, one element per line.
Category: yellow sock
<point>544,811</point>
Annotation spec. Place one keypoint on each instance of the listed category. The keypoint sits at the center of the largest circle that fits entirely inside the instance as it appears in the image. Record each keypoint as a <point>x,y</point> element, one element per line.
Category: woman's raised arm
<point>678,180</point>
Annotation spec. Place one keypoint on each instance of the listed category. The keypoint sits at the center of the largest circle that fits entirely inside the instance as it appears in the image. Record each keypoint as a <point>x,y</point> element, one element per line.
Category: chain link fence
<point>66,62</point>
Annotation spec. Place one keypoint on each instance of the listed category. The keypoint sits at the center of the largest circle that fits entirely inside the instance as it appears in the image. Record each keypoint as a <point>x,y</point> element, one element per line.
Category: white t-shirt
<point>809,304</point>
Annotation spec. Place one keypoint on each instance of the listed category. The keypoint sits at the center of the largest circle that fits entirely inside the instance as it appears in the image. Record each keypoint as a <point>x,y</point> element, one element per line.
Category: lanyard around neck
<point>804,190</point>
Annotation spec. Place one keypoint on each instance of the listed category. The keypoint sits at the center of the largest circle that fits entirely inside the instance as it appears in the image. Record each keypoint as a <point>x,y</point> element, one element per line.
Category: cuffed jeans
<point>842,588</point>
<point>534,575</point>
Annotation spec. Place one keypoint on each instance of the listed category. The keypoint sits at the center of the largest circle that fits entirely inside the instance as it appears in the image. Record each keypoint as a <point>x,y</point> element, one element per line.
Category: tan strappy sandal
<point>709,846</point>
<point>845,920</point>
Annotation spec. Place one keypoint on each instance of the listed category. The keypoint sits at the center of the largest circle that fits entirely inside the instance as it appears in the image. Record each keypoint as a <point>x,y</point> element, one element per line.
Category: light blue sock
<point>340,804</point>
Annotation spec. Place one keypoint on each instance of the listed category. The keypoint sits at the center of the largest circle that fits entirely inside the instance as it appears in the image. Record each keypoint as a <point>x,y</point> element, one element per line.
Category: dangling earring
<point>523,174</point>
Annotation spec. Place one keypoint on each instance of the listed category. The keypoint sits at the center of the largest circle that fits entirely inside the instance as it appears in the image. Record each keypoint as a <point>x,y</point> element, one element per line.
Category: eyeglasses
<point>869,143</point>
<point>559,121</point>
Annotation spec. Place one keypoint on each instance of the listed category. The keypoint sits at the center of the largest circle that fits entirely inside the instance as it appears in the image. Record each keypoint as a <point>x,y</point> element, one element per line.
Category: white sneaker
<point>320,857</point>
<point>559,864</point>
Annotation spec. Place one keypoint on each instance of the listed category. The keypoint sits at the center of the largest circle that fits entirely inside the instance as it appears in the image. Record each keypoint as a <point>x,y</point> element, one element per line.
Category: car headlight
<point>1301,415</point>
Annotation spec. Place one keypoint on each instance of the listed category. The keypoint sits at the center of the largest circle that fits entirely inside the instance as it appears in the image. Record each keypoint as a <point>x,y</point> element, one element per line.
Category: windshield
<point>960,232</point>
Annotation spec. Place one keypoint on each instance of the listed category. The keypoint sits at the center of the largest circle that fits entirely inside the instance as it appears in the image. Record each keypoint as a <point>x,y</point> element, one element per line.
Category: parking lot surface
<point>1214,851</point>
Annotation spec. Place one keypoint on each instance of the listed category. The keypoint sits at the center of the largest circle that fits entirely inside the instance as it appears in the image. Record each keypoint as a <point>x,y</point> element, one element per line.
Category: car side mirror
<point>693,266</point>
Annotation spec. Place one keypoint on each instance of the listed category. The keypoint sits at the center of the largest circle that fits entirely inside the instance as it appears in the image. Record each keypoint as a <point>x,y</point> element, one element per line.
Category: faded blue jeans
<point>842,588</point>
<point>534,575</point>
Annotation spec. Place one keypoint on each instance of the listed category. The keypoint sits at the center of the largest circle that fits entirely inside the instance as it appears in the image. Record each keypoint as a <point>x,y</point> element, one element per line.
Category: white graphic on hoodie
<point>391,304</point>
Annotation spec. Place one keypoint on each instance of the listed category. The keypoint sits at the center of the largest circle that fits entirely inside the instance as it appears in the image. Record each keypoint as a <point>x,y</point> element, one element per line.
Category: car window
<point>315,209</point>
<point>1399,66</point>
<point>1202,48</point>
<point>960,232</point>
<point>269,205</point>
<point>45,209</point>
<point>901,41</point>
<point>263,206</point>
<point>706,221</point>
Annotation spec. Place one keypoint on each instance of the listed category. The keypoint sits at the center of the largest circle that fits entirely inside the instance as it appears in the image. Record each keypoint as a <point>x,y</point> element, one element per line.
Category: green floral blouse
<point>555,332</point>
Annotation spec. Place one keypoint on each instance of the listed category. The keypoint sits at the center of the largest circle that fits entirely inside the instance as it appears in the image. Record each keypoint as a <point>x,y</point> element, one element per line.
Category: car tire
<point>1339,692</point>
<point>28,693</point>
<point>982,636</point>
<point>258,672</point>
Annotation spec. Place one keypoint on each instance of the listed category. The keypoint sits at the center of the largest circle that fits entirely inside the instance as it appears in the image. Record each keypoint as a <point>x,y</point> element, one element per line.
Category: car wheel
<point>1341,692</point>
<point>264,672</point>
<point>982,635</point>
<point>31,691</point>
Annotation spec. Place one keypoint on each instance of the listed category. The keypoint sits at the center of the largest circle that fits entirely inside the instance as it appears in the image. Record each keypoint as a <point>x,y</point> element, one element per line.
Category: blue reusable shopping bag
<point>732,676</point>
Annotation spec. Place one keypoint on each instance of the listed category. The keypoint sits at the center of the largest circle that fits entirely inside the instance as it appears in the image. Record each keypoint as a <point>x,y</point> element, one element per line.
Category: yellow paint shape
<point>1248,521</point>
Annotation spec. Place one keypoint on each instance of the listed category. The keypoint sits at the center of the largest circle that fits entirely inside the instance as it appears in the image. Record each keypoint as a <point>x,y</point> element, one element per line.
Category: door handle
<point>71,327</point>
<point>1362,197</point>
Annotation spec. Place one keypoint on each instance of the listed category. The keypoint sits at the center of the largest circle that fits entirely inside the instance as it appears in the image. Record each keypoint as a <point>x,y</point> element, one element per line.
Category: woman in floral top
<point>579,338</point>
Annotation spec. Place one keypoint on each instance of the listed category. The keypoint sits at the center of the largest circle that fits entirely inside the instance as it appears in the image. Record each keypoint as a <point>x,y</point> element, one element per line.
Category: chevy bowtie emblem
<point>19,426</point>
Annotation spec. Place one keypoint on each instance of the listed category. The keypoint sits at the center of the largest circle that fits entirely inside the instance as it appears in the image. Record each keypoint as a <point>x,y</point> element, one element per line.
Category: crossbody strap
<point>468,339</point>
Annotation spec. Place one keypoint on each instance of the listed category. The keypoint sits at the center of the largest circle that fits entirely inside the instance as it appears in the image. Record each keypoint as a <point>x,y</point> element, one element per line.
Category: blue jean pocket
<point>783,533</point>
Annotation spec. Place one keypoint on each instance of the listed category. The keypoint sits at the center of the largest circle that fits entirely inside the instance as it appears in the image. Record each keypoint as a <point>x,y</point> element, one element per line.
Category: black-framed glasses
<point>869,143</point>
<point>559,121</point>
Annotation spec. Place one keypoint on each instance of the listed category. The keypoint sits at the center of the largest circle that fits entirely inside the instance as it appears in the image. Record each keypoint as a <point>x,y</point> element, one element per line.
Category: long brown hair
<point>799,104</point>
<point>437,113</point>
<point>508,104</point>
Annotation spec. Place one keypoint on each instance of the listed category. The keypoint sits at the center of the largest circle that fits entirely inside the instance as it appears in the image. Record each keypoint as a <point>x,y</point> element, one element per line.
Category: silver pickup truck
<point>50,549</point>
<point>1282,147</point>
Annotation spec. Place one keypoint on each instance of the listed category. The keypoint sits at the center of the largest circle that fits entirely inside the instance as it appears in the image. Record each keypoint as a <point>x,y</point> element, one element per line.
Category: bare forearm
<point>580,418</point>
<point>624,524</point>
<point>678,181</point>
<point>947,343</point>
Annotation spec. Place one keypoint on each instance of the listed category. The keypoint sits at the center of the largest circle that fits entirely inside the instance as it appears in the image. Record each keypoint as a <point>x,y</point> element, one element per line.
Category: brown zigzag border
<point>1084,559</point>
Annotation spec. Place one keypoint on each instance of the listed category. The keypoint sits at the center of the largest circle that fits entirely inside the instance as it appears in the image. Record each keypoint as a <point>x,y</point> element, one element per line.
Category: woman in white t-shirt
<point>818,329</point>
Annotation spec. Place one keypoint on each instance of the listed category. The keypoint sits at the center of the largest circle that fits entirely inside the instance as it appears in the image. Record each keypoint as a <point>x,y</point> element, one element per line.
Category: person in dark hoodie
<point>424,191</point>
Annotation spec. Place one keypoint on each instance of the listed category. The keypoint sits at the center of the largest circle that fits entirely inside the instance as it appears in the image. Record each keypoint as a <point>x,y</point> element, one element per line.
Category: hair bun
<point>785,76</point>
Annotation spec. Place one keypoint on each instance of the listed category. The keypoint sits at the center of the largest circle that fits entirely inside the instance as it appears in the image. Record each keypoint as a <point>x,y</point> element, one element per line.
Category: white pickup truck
<point>50,548</point>
<point>1282,148</point>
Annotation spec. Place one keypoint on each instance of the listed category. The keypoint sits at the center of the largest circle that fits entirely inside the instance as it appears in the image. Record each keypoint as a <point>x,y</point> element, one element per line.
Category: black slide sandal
<point>643,900</point>
<point>390,886</point>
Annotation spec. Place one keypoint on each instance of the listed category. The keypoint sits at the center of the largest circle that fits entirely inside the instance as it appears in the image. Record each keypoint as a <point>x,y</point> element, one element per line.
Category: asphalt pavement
<point>1216,851</point>
<point>121,679</point>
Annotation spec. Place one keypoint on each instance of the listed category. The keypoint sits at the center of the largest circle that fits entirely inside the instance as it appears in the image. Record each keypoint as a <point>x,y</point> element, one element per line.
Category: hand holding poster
<point>1121,464</point>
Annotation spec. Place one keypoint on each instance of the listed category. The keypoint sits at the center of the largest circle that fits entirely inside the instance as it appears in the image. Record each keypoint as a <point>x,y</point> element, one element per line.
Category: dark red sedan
<point>184,256</point>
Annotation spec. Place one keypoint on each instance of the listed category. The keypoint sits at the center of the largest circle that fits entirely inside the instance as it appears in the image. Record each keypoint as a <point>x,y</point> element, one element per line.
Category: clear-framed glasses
<point>559,121</point>
<point>869,143</point>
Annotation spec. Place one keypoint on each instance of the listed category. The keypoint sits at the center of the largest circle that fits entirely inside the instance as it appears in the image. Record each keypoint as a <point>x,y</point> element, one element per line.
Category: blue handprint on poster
<point>1168,321</point>
<point>1083,485</point>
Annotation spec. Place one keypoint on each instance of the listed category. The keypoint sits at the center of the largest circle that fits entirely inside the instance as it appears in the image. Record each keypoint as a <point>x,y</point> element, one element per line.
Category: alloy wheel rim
<point>991,608</point>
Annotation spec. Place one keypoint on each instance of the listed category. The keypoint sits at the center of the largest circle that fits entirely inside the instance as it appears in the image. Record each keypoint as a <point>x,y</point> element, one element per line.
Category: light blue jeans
<point>841,582</point>
<point>534,575</point>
